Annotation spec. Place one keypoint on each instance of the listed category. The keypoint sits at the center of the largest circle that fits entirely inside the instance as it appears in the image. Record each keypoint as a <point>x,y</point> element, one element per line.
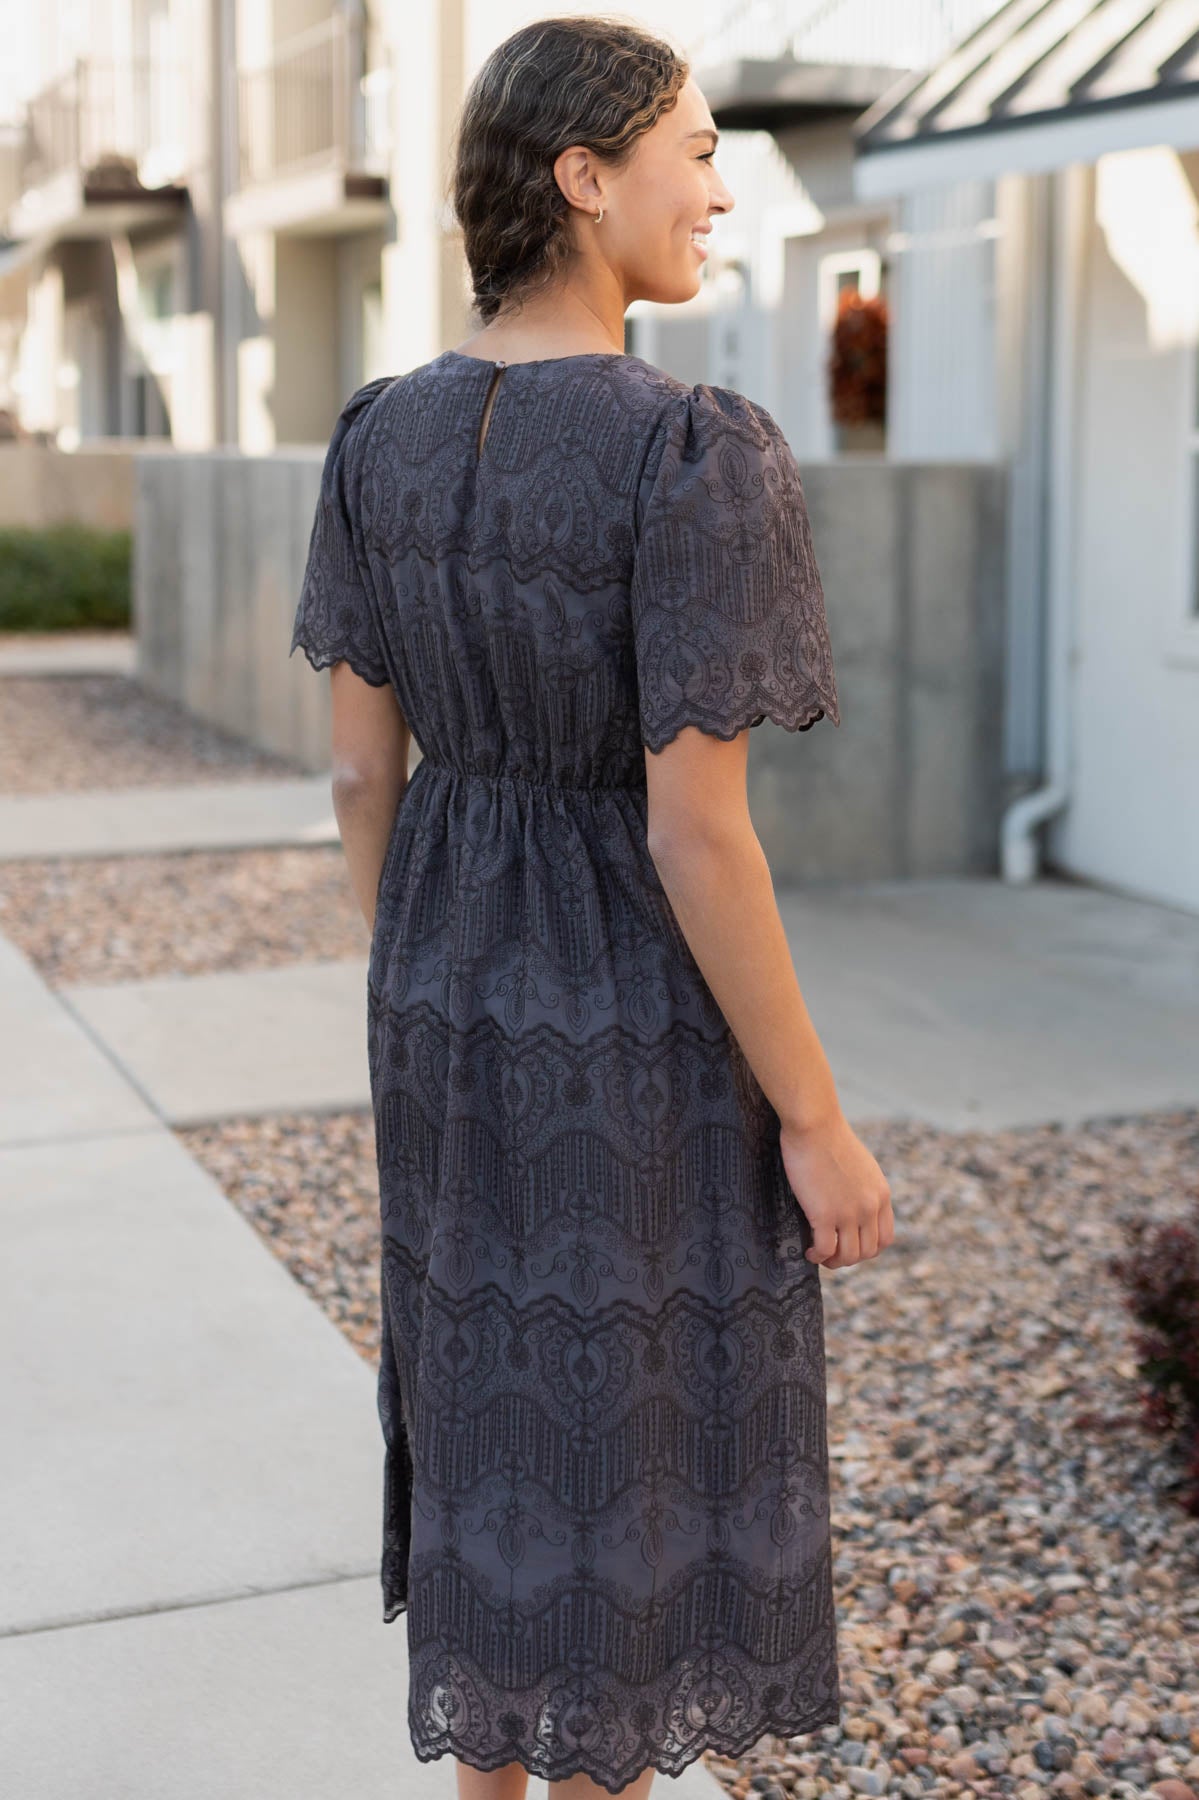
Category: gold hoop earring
<point>599,215</point>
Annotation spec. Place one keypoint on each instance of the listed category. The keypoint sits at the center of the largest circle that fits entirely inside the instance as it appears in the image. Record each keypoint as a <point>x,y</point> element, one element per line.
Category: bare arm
<point>371,741</point>
<point>715,875</point>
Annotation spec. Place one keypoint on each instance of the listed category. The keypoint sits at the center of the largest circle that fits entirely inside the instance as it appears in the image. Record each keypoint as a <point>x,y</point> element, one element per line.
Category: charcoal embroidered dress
<point>602,1380</point>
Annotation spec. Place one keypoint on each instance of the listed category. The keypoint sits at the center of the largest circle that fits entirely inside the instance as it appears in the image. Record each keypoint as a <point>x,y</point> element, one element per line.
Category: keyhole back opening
<point>497,375</point>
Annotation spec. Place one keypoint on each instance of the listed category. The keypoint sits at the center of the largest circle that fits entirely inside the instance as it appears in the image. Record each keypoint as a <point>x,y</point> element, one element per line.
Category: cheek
<point>664,218</point>
<point>682,208</point>
<point>675,199</point>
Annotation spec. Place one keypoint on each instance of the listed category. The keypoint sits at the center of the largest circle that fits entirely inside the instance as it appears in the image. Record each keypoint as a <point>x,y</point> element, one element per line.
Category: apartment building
<point>198,237</point>
<point>787,80</point>
<point>218,217</point>
<point>1080,119</point>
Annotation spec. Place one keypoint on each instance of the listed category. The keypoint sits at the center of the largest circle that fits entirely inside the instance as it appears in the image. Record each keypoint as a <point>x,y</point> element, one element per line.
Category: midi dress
<point>602,1380</point>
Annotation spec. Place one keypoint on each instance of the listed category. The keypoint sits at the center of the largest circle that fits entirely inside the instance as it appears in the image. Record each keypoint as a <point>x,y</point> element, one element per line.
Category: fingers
<point>849,1245</point>
<point>841,1248</point>
<point>842,1233</point>
<point>824,1243</point>
<point>837,1254</point>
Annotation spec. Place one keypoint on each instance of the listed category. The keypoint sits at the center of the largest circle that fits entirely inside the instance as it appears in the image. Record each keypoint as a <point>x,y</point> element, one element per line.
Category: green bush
<point>64,577</point>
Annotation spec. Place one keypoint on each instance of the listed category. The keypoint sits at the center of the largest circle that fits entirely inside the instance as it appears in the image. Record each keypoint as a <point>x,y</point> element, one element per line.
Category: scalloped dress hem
<point>828,1713</point>
<point>601,1381</point>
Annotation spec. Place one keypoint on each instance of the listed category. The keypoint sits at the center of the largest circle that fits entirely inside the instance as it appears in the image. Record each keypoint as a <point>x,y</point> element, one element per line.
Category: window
<point>853,318</point>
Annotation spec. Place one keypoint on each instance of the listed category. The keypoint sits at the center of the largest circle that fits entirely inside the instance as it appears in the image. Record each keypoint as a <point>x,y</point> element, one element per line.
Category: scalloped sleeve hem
<point>728,609</point>
<point>728,729</point>
<point>371,672</point>
<point>337,617</point>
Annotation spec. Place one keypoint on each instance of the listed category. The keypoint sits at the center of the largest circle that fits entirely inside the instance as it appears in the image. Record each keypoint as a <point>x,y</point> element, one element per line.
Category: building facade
<point>219,217</point>
<point>222,216</point>
<point>1082,121</point>
<point>196,200</point>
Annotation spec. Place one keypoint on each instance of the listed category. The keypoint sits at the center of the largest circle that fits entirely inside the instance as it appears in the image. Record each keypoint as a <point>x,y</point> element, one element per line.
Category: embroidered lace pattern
<point>602,1380</point>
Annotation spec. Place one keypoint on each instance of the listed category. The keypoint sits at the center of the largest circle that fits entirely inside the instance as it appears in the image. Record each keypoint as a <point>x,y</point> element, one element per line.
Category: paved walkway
<point>189,1520</point>
<point>963,1002</point>
<point>67,653</point>
<point>148,821</point>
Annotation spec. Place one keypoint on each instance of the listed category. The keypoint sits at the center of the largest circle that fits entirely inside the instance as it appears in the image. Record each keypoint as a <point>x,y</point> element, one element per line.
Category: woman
<point>598,1096</point>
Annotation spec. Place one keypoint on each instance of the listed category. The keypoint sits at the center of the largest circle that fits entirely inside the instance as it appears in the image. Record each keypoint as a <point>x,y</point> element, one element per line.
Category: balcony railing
<point>125,116</point>
<point>899,34</point>
<point>314,103</point>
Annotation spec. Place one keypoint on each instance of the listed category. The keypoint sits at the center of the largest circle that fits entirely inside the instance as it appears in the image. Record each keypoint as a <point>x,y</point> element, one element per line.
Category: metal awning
<point>1044,83</point>
<point>758,93</point>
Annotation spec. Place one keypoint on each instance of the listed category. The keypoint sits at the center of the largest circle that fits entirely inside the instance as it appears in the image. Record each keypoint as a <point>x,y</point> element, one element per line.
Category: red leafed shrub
<point>1160,1276</point>
<point>858,363</point>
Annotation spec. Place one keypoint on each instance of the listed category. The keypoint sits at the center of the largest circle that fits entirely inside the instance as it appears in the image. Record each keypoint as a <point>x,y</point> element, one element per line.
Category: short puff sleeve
<point>336,617</point>
<point>728,611</point>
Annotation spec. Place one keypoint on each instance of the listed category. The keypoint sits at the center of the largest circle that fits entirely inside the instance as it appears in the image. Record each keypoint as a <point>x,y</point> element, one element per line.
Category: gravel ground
<point>66,732</point>
<point>308,1184</point>
<point>125,918</point>
<point>1017,1587</point>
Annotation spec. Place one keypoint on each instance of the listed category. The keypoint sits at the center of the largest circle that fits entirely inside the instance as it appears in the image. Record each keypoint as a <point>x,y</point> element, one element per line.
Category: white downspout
<point>1072,208</point>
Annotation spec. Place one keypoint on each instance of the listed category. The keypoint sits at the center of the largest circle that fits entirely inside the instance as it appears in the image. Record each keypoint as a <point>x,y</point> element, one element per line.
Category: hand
<point>841,1190</point>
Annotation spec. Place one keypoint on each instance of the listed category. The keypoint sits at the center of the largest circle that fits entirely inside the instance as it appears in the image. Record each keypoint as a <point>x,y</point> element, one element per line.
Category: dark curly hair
<point>600,81</point>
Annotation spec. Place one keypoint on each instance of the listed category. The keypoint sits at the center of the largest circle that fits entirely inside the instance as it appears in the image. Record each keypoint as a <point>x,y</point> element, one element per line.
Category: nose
<point>723,200</point>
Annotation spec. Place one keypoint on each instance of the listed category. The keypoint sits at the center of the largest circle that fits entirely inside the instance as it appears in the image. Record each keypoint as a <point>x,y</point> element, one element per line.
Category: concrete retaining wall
<point>910,784</point>
<point>219,545</point>
<point>42,486</point>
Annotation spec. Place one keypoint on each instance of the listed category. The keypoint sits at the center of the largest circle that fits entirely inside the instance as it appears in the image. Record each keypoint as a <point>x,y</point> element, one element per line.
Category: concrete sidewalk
<point>975,1005</point>
<point>201,815</point>
<point>189,1522</point>
<point>68,653</point>
<point>189,1528</point>
<point>963,1003</point>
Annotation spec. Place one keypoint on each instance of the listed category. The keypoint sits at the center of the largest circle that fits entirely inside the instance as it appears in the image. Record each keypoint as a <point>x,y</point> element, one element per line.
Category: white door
<point>1133,819</point>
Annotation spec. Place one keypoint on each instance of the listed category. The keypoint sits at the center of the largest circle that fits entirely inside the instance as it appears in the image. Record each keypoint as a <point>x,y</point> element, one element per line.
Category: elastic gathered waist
<point>533,781</point>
